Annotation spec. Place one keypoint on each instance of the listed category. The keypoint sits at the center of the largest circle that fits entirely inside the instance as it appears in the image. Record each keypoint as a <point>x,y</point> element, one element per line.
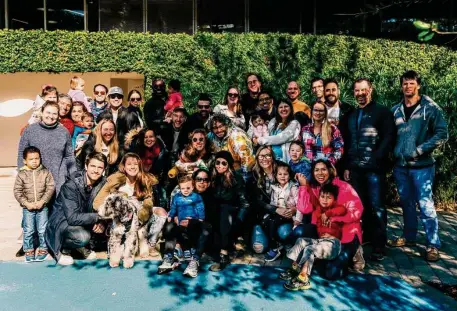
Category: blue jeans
<point>370,187</point>
<point>415,186</point>
<point>34,221</point>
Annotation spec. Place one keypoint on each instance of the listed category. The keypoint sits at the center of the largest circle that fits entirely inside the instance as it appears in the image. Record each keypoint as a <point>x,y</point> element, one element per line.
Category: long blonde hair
<point>113,145</point>
<point>143,181</point>
<point>326,129</point>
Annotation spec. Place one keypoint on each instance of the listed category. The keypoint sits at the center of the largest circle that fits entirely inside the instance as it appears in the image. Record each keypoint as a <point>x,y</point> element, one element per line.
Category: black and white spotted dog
<point>123,240</point>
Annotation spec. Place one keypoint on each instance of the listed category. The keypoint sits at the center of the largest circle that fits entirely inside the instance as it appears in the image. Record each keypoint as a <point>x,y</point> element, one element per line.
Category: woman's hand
<point>301,179</point>
<point>284,212</point>
<point>254,140</point>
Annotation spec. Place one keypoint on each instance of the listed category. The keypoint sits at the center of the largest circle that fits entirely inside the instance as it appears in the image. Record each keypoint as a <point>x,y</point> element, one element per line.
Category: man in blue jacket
<point>421,128</point>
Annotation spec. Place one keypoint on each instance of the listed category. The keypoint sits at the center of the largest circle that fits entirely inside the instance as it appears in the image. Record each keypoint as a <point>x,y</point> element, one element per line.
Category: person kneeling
<point>184,225</point>
<point>327,246</point>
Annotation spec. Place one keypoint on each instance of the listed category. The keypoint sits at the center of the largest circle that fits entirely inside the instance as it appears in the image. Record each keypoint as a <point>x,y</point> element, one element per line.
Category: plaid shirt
<point>314,148</point>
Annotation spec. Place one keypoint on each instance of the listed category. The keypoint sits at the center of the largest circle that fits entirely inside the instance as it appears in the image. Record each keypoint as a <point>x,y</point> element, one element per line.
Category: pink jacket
<point>174,101</point>
<point>77,95</point>
<point>308,200</point>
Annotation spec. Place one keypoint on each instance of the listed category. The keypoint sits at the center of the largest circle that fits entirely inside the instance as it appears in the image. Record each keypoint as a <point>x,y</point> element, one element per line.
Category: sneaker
<point>298,283</point>
<point>378,254</point>
<point>168,264</point>
<point>178,254</point>
<point>187,255</point>
<point>65,260</point>
<point>272,254</point>
<point>41,254</point>
<point>400,242</point>
<point>219,266</point>
<point>86,252</point>
<point>92,255</point>
<point>192,268</point>
<point>358,260</point>
<point>288,275</point>
<point>432,254</point>
<point>29,256</point>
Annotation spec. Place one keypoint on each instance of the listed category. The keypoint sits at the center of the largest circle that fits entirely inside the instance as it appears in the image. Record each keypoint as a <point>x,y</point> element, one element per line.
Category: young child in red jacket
<point>327,246</point>
<point>174,99</point>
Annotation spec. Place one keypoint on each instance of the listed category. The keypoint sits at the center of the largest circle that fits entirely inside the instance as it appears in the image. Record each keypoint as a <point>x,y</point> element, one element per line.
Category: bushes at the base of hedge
<point>211,62</point>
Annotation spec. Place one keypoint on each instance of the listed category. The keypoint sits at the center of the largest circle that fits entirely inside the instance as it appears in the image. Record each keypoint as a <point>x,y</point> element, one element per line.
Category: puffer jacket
<point>368,145</point>
<point>235,195</point>
<point>34,185</point>
<point>425,131</point>
<point>187,206</point>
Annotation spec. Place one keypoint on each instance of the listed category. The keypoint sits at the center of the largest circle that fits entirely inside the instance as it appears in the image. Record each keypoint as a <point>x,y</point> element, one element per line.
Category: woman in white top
<point>232,107</point>
<point>283,130</point>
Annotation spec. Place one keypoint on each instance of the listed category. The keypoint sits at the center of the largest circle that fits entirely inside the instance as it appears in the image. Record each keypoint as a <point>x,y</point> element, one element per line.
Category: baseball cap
<point>115,90</point>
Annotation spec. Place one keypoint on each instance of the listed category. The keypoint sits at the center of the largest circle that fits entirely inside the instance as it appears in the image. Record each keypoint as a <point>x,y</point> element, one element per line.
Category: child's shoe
<point>273,254</point>
<point>30,256</point>
<point>187,255</point>
<point>288,275</point>
<point>41,254</point>
<point>192,268</point>
<point>168,264</point>
<point>298,283</point>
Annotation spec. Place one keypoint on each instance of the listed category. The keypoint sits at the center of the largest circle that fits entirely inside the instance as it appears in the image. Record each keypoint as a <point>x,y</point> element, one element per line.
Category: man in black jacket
<point>336,109</point>
<point>154,112</point>
<point>198,119</point>
<point>73,221</point>
<point>369,137</point>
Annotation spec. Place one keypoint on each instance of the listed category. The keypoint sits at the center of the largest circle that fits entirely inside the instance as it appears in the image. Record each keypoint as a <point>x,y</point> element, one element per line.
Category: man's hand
<point>185,222</point>
<point>29,205</point>
<point>347,175</point>
<point>98,228</point>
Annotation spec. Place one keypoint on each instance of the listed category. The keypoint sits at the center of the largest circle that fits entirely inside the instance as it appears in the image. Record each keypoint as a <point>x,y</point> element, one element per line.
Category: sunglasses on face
<point>203,106</point>
<point>195,139</point>
<point>100,93</point>
<point>116,96</point>
<point>223,163</point>
<point>233,95</point>
<point>201,179</point>
<point>135,99</point>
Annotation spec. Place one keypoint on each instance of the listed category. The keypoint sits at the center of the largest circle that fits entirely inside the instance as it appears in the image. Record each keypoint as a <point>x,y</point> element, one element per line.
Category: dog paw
<point>113,264</point>
<point>144,254</point>
<point>128,263</point>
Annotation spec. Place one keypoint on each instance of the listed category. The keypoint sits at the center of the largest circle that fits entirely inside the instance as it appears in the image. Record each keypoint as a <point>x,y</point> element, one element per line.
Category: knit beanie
<point>226,156</point>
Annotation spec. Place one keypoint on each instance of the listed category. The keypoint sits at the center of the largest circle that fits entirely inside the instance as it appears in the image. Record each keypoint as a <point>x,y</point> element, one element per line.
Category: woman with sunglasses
<point>321,138</point>
<point>230,205</point>
<point>130,118</point>
<point>232,107</point>
<point>204,147</point>
<point>283,130</point>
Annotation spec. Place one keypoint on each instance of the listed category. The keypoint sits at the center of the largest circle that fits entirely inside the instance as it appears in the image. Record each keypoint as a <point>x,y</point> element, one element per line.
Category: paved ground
<point>401,263</point>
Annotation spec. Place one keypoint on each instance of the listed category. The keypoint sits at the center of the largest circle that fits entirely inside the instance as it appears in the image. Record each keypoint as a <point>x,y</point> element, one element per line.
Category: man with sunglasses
<point>99,104</point>
<point>198,119</point>
<point>153,110</point>
<point>227,137</point>
<point>115,97</point>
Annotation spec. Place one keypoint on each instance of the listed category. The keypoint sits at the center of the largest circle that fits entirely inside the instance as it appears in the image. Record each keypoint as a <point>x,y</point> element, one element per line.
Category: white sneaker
<point>65,260</point>
<point>92,255</point>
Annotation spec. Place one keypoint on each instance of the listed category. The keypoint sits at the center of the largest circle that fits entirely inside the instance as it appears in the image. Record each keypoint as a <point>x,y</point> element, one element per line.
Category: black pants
<point>226,226</point>
<point>270,225</point>
<point>192,236</point>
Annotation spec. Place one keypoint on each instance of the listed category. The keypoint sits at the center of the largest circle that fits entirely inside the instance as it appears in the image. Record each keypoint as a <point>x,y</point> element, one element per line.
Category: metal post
<point>194,17</point>
<point>99,16</point>
<point>45,15</point>
<point>86,18</point>
<point>145,15</point>
<point>246,15</point>
<point>6,14</point>
<point>301,19</point>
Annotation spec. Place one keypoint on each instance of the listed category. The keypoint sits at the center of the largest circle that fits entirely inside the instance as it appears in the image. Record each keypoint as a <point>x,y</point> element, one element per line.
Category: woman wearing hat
<point>283,130</point>
<point>229,195</point>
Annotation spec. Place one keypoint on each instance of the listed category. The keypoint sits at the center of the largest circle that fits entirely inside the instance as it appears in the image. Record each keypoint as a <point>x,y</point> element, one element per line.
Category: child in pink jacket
<point>174,98</point>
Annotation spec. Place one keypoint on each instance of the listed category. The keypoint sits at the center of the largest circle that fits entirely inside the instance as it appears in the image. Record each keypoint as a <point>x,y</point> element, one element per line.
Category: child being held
<point>184,226</point>
<point>298,162</point>
<point>259,126</point>
<point>48,92</point>
<point>82,131</point>
<point>33,189</point>
<point>284,195</point>
<point>327,246</point>
<point>174,99</point>
<point>188,162</point>
<point>76,91</point>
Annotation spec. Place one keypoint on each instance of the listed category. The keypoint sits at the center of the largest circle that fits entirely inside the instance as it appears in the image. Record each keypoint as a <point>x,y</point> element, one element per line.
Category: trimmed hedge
<point>211,62</point>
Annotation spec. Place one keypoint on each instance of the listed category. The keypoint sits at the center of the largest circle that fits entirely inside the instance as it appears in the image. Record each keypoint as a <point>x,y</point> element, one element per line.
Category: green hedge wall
<point>211,62</point>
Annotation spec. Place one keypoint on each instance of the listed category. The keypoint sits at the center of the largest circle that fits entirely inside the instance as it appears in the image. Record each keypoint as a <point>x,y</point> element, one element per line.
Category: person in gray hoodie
<point>421,128</point>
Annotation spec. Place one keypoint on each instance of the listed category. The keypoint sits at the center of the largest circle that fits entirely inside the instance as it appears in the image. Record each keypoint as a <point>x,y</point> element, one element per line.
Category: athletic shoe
<point>30,256</point>
<point>65,260</point>
<point>192,268</point>
<point>187,255</point>
<point>298,284</point>
<point>178,254</point>
<point>358,260</point>
<point>86,252</point>
<point>41,254</point>
<point>432,254</point>
<point>92,255</point>
<point>288,275</point>
<point>219,266</point>
<point>272,254</point>
<point>168,264</point>
<point>400,242</point>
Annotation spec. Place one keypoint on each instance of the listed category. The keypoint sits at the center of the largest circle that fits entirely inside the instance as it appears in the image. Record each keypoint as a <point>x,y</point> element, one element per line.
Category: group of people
<point>272,175</point>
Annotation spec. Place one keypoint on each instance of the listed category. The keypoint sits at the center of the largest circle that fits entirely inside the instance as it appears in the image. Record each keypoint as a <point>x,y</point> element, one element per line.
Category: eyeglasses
<point>265,156</point>
<point>319,110</point>
<point>100,93</point>
<point>203,106</point>
<point>135,99</point>
<point>233,95</point>
<point>195,139</point>
<point>264,100</point>
<point>116,96</point>
<point>223,163</point>
<point>201,179</point>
